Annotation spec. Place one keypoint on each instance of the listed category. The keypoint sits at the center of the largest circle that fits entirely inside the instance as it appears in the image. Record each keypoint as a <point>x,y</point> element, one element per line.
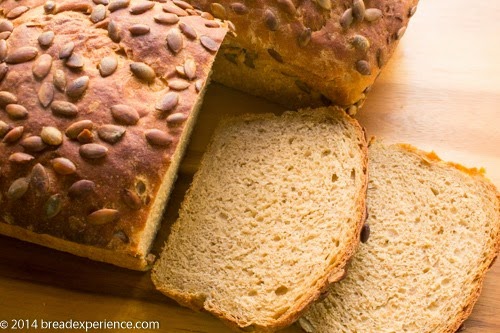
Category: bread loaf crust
<point>302,53</point>
<point>104,199</point>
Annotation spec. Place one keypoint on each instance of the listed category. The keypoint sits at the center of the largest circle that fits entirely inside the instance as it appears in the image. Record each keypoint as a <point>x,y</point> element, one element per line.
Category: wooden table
<point>440,91</point>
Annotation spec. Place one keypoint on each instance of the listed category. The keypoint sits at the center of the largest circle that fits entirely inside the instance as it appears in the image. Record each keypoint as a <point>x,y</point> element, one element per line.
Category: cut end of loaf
<point>273,215</point>
<point>435,231</point>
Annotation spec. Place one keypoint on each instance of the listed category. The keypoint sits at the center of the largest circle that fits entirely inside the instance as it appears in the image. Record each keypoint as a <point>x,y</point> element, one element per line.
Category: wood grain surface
<point>440,91</point>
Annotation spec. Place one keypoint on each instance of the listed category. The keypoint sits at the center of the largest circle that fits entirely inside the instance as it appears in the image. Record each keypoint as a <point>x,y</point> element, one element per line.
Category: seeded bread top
<point>94,100</point>
<point>334,47</point>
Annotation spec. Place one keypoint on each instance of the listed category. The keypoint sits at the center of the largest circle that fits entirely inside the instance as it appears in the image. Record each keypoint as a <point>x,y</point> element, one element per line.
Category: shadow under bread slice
<point>271,218</point>
<point>435,231</point>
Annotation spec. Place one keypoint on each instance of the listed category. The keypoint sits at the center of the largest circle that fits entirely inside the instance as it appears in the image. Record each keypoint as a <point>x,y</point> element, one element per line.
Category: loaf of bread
<point>435,231</point>
<point>97,102</point>
<point>308,52</point>
<point>271,218</point>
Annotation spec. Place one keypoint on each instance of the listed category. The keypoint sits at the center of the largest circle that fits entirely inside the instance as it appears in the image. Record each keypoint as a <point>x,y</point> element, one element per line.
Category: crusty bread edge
<point>331,275</point>
<point>122,259</point>
<point>489,259</point>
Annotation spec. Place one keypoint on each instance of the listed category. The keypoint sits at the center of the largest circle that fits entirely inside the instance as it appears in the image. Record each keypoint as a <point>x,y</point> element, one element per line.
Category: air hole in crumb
<point>426,270</point>
<point>291,140</point>
<point>335,177</point>
<point>326,152</point>
<point>434,191</point>
<point>252,292</point>
<point>353,174</point>
<point>261,130</point>
<point>140,187</point>
<point>281,291</point>
<point>307,153</point>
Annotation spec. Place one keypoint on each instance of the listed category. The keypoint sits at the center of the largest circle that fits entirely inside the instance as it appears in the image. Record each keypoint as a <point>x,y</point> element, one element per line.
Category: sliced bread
<point>435,231</point>
<point>271,218</point>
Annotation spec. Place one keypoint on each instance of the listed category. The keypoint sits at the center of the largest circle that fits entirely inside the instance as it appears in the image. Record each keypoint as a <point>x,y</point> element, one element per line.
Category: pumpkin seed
<point>3,71</point>
<point>143,72</point>
<point>176,118</point>
<point>325,4</point>
<point>40,180</point>
<point>209,43</point>
<point>16,12</point>
<point>188,30</point>
<point>207,16</point>
<point>76,128</point>
<point>46,38</point>
<point>141,7</point>
<point>77,87</point>
<point>101,2</point>
<point>3,49</point>
<point>305,37</point>
<point>400,32</point>
<point>412,12</point>
<point>75,60</point>
<point>346,19</point>
<point>22,54</point>
<point>239,8</point>
<point>175,41</point>
<point>360,43</point>
<point>108,66</point>
<point>60,80</point>
<point>49,6</point>
<point>93,151</point>
<point>53,206</point>
<point>199,85</point>
<point>85,136</point>
<point>190,68</point>
<point>172,8</point>
<point>182,4</point>
<point>51,136</point>
<point>4,128</point>
<point>363,67</point>
<point>98,14</point>
<point>168,102</point>
<point>358,10</point>
<point>67,50</point>
<point>373,14</point>
<point>82,7</point>
<point>111,133</point>
<point>288,7</point>
<point>13,135</point>
<point>125,114</point>
<point>114,32</point>
<point>63,166</point>
<point>6,25</point>
<point>118,4</point>
<point>18,188</point>
<point>7,98</point>
<point>5,35</point>
<point>303,86</point>
<point>218,10</point>
<point>16,111</point>
<point>21,158</point>
<point>177,84</point>
<point>46,94</point>
<point>131,199</point>
<point>157,137</point>
<point>166,18</point>
<point>139,29</point>
<point>42,66</point>
<point>103,216</point>
<point>81,188</point>
<point>271,20</point>
<point>33,144</point>
<point>64,109</point>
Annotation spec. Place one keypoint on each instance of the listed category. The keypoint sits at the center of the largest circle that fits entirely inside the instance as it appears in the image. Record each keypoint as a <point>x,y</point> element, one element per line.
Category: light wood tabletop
<point>440,91</point>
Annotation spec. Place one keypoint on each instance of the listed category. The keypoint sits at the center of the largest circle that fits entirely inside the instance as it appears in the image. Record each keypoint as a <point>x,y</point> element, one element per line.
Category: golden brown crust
<point>116,208</point>
<point>305,45</point>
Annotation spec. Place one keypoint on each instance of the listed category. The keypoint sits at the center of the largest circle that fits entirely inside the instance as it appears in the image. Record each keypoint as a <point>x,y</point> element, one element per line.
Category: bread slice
<point>271,218</point>
<point>435,231</point>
